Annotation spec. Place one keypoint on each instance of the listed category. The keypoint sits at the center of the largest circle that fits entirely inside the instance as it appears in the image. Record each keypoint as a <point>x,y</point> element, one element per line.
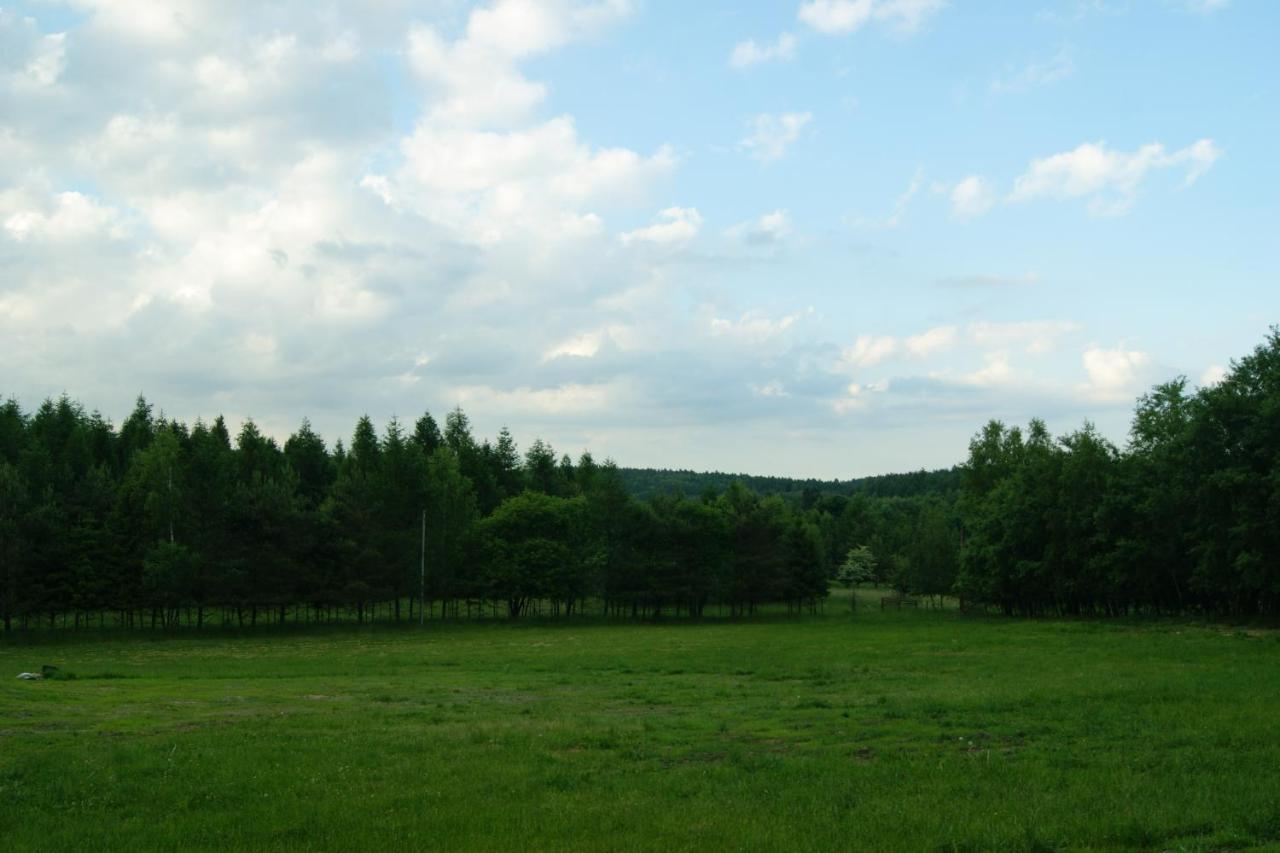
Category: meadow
<point>882,730</point>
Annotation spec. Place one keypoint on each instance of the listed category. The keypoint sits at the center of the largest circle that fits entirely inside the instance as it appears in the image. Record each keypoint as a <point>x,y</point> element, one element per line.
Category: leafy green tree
<point>934,552</point>
<point>859,567</point>
<point>528,545</point>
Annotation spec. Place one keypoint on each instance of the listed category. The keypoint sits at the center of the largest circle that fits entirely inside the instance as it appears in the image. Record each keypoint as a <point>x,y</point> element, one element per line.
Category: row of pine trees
<point>158,524</point>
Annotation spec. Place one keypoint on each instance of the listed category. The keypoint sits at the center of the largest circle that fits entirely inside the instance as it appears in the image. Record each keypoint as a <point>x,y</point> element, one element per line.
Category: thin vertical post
<point>422,573</point>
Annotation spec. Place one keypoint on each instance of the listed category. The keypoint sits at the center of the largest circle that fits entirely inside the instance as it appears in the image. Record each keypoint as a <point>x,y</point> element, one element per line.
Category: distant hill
<point>644,483</point>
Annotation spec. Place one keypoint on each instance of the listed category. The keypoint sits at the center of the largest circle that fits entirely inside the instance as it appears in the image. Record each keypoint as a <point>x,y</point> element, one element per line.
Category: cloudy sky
<point>811,237</point>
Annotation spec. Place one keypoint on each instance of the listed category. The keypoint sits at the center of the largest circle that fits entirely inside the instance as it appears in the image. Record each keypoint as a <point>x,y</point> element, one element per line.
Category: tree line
<point>158,524</point>
<point>645,483</point>
<point>1186,518</point>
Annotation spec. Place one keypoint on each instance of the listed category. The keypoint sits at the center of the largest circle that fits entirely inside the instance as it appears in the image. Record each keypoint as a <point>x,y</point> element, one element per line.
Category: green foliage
<point>858,567</point>
<point>1187,518</point>
<point>195,522</point>
<point>646,483</point>
<point>1184,519</point>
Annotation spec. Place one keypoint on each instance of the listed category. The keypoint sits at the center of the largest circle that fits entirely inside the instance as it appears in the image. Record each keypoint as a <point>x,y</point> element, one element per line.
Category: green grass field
<point>914,730</point>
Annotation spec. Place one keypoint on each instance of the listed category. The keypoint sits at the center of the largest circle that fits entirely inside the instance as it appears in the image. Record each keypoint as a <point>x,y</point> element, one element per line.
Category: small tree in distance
<point>858,567</point>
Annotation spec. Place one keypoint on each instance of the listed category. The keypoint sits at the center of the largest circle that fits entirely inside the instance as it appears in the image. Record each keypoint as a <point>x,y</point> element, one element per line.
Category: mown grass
<point>913,730</point>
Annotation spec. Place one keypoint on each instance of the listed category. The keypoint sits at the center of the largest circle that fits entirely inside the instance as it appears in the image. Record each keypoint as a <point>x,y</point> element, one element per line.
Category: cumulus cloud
<point>250,209</point>
<point>1212,375</point>
<point>937,339</point>
<point>995,371</point>
<point>771,135</point>
<point>838,17</point>
<point>1109,178</point>
<point>496,185</point>
<point>217,207</point>
<point>477,77</point>
<point>857,396</point>
<point>972,197</point>
<point>585,345</point>
<point>869,350</point>
<point>749,53</point>
<point>768,230</point>
<point>1114,375</point>
<point>67,216</point>
<point>675,225</point>
<point>28,58</point>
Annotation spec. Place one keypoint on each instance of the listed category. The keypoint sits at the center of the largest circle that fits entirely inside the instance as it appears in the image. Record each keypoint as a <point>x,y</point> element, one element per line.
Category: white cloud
<point>972,197</point>
<point>568,399</point>
<point>868,350</point>
<point>1034,337</point>
<point>1036,74</point>
<point>837,17</point>
<point>901,202</point>
<point>995,371</point>
<point>212,200</point>
<point>476,77</point>
<point>770,229</point>
<point>858,396</point>
<point>475,84</point>
<point>29,59</point>
<point>494,185</point>
<point>248,207</point>
<point>148,22</point>
<point>871,350</point>
<point>585,345</point>
<point>937,339</point>
<point>68,216</point>
<point>478,162</point>
<point>1114,375</point>
<point>755,326</point>
<point>1212,375</point>
<point>748,53</point>
<point>772,388</point>
<point>772,135</point>
<point>1109,178</point>
<point>676,225</point>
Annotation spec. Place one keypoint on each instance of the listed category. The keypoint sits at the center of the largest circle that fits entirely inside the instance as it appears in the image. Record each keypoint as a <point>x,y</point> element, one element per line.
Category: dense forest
<point>161,524</point>
<point>1186,518</point>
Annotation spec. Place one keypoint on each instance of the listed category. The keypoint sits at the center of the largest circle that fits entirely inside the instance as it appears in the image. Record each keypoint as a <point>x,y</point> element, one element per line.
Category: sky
<point>824,238</point>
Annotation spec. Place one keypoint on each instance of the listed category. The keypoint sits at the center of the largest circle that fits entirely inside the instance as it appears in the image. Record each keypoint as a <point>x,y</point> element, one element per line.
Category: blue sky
<point>820,237</point>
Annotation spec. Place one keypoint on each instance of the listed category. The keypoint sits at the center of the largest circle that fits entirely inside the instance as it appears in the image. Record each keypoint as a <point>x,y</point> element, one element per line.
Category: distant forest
<point>645,483</point>
<point>162,524</point>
